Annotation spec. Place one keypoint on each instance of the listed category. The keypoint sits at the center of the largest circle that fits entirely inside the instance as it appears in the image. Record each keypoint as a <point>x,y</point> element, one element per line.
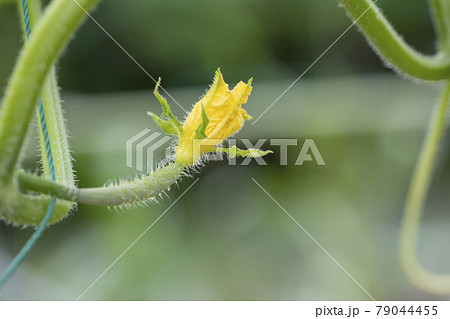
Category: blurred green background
<point>225,239</point>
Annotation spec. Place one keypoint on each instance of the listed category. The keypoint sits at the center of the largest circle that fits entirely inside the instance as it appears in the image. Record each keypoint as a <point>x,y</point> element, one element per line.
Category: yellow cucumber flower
<point>218,115</point>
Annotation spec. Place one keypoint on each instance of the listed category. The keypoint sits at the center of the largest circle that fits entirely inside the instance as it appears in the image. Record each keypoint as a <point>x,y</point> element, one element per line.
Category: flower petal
<point>226,116</point>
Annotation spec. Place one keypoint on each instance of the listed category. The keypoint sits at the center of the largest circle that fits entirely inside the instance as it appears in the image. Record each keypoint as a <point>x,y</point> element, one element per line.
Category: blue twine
<point>43,224</point>
<point>26,17</point>
<point>29,244</point>
<point>48,147</point>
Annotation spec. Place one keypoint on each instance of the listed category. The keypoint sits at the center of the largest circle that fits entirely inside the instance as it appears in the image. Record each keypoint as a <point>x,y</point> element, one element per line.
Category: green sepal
<point>172,125</point>
<point>167,126</point>
<point>200,131</point>
<point>234,151</point>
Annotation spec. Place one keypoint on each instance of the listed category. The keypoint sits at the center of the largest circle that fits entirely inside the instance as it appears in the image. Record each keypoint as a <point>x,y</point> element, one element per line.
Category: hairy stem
<point>390,45</point>
<point>54,119</point>
<point>126,193</point>
<point>427,281</point>
<point>441,18</point>
<point>50,35</point>
<point>57,133</point>
<point>37,184</point>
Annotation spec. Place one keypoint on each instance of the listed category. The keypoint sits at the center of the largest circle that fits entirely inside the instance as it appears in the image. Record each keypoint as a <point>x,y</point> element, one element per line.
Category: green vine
<point>30,72</point>
<point>441,18</point>
<point>33,74</point>
<point>391,47</point>
<point>434,283</point>
<point>406,60</point>
<point>54,121</point>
